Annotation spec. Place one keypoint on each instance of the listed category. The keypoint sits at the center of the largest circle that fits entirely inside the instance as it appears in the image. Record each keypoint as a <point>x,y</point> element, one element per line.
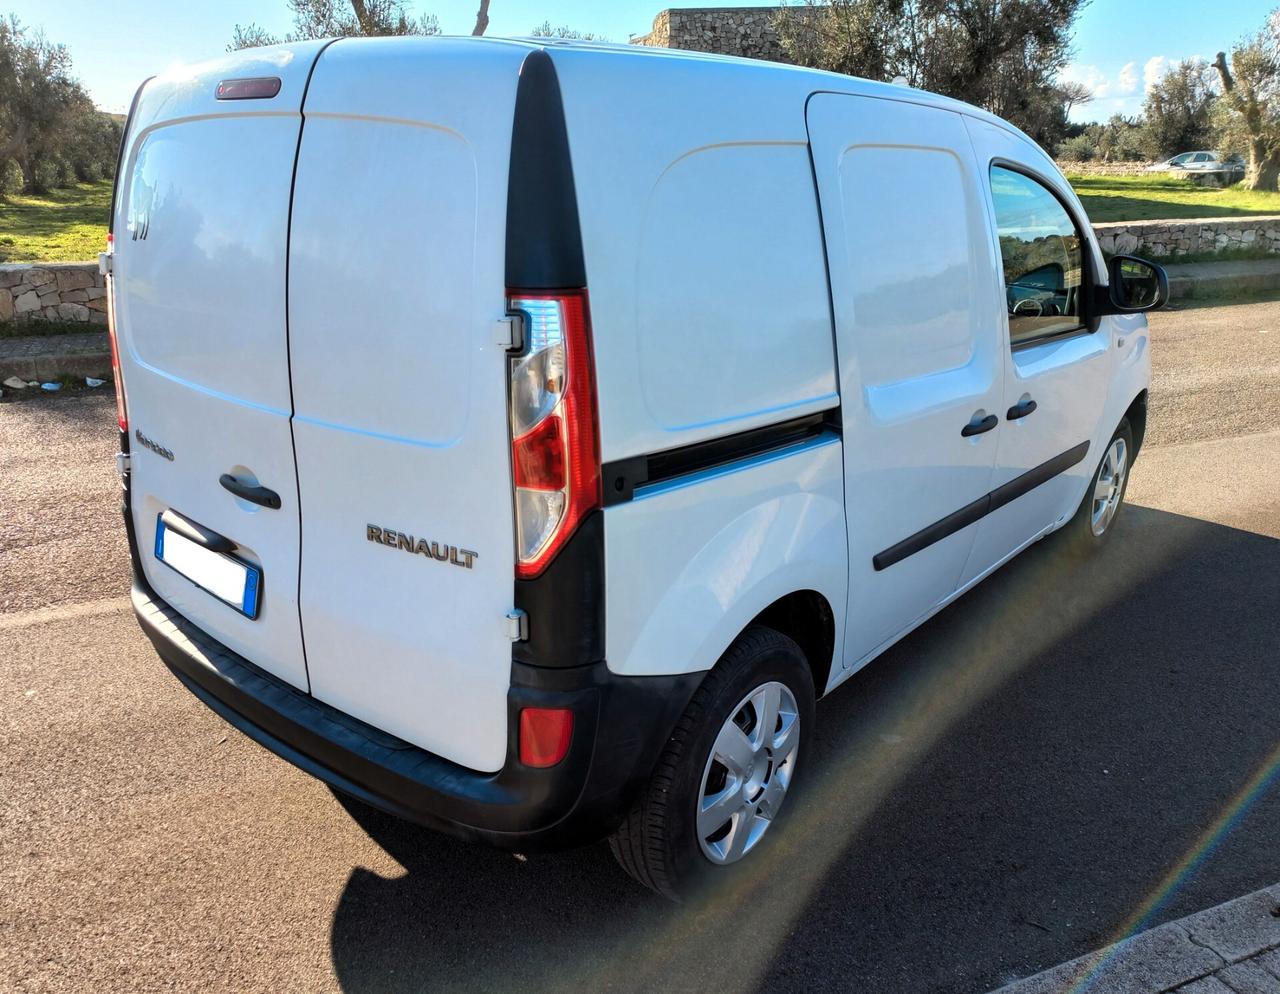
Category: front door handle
<point>255,495</point>
<point>978,427</point>
<point>1021,409</point>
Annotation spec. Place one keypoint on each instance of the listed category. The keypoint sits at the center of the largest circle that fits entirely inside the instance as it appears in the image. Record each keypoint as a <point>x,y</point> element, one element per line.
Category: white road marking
<point>69,612</point>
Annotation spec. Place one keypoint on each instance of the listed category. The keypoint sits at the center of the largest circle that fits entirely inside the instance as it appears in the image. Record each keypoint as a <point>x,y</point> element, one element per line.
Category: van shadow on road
<point>998,793</point>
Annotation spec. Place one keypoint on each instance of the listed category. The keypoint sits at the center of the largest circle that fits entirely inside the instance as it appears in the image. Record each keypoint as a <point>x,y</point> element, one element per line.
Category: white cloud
<point>1152,70</point>
<point>1127,80</point>
<point>1091,76</point>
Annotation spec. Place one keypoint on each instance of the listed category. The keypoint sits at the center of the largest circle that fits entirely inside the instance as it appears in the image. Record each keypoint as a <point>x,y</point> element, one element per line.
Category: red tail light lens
<point>555,453</point>
<point>122,418</point>
<point>539,456</point>
<point>545,734</point>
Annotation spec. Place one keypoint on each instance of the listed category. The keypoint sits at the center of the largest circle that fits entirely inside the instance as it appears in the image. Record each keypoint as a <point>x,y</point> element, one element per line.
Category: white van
<point>520,436</point>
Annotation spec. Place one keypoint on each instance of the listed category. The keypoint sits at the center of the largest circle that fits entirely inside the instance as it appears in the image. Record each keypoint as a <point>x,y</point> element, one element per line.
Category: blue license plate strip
<point>230,579</point>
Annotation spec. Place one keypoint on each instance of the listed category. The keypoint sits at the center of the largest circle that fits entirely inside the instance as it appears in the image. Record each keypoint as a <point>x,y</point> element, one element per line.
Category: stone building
<point>747,31</point>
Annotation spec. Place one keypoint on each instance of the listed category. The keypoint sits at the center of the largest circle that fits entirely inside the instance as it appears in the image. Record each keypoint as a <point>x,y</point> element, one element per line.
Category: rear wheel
<point>721,783</point>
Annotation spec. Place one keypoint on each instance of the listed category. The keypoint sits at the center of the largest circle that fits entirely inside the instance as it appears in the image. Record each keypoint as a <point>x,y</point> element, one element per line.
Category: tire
<point>1095,519</point>
<point>659,843</point>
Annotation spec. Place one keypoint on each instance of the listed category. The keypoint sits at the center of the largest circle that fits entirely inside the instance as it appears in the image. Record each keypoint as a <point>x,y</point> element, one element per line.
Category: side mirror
<point>1136,285</point>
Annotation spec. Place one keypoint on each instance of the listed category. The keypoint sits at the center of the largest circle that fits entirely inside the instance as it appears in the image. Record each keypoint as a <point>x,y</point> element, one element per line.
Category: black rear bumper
<point>620,727</point>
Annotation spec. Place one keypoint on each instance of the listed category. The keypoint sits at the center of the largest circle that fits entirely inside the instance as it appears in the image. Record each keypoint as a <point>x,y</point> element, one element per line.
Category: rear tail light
<point>555,453</point>
<point>122,418</point>
<point>545,734</point>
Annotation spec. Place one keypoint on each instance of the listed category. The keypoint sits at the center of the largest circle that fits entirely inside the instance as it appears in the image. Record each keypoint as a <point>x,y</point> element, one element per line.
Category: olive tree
<point>545,30</point>
<point>1004,55</point>
<point>349,18</point>
<point>1249,112</point>
<point>1177,110</point>
<point>48,125</point>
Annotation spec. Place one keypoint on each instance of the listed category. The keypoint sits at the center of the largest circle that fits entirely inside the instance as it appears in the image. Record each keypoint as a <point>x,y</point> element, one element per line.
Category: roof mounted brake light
<point>253,88</point>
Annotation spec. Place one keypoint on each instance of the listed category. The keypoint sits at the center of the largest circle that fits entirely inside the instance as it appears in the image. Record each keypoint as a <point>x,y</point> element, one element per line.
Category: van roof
<point>614,54</point>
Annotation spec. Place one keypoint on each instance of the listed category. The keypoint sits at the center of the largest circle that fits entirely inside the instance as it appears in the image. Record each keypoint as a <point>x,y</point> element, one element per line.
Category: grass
<point>59,226</point>
<point>1221,255</point>
<point>31,329</point>
<point>1156,198</point>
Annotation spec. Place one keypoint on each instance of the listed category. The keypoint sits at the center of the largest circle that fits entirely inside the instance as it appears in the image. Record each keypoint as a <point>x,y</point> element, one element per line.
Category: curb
<point>49,367</point>
<point>48,358</point>
<point>1234,947</point>
<point>1191,288</point>
<point>1222,279</point>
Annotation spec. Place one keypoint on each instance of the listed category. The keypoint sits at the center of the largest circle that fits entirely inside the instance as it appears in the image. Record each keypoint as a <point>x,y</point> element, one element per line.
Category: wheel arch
<point>1136,414</point>
<point>690,569</point>
<point>806,617</point>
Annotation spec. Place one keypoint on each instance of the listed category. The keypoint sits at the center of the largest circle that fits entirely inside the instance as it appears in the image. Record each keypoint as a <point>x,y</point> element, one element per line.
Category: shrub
<point>1077,149</point>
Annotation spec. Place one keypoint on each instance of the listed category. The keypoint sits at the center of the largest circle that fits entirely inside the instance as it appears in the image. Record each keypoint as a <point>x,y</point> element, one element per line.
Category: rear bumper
<point>620,727</point>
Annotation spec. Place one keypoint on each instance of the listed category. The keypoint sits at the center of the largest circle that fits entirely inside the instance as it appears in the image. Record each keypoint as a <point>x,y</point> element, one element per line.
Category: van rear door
<point>396,287</point>
<point>200,232</point>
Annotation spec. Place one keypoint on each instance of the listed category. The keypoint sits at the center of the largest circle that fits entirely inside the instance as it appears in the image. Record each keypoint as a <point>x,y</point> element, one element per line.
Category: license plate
<point>233,581</point>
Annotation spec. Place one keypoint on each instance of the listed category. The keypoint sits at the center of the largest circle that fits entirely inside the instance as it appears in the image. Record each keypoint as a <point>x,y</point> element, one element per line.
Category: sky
<point>1120,45</point>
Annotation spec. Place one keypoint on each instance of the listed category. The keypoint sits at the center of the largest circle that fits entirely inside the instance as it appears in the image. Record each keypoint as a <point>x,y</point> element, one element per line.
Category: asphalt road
<point>1071,750</point>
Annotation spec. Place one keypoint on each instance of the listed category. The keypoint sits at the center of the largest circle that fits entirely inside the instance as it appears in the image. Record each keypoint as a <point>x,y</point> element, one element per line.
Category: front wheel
<point>1105,495</point>
<point>721,783</point>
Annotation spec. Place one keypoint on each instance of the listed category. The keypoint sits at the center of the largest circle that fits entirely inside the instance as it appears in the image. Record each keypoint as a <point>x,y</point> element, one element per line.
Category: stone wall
<point>1105,168</point>
<point>1158,239</point>
<point>745,31</point>
<point>76,291</point>
<point>53,291</point>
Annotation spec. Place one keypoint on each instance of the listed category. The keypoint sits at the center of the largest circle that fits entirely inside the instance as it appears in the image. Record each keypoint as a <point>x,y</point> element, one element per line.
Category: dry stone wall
<point>76,291</point>
<point>1105,168</point>
<point>1161,239</point>
<point>745,31</point>
<point>53,291</point>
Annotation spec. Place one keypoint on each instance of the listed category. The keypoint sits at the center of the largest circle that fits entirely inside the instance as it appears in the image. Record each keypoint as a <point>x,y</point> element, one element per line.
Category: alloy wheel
<point>752,763</point>
<point>1109,486</point>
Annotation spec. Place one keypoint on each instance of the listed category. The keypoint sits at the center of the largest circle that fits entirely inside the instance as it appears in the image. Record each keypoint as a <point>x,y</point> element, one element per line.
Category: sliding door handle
<point>1021,409</point>
<point>979,426</point>
<point>255,495</point>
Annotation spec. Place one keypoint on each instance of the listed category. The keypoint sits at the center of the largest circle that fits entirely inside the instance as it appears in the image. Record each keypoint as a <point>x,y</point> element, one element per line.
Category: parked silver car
<point>1206,162</point>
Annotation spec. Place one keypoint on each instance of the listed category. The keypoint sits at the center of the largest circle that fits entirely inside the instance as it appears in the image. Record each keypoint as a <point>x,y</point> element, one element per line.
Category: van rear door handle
<point>255,495</point>
<point>1021,410</point>
<point>978,427</point>
<point>192,532</point>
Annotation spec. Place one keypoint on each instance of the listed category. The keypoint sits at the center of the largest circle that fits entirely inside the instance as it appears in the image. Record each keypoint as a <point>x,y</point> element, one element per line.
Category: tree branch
<point>1220,63</point>
<point>482,18</point>
<point>362,17</point>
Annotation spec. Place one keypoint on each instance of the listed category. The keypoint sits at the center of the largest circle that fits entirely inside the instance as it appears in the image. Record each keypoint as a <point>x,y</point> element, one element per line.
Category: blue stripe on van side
<point>827,437</point>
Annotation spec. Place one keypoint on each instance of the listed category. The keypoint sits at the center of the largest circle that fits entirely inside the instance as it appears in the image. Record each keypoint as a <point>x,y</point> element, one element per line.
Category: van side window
<point>1042,254</point>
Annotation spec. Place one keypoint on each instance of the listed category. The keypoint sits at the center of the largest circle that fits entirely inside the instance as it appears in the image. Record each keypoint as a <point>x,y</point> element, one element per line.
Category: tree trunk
<point>482,18</point>
<point>28,166</point>
<point>14,144</point>
<point>1264,173</point>
<point>362,17</point>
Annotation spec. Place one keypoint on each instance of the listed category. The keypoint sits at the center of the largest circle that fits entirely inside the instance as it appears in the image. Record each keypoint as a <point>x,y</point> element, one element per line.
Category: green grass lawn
<point>1157,197</point>
<point>58,226</point>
